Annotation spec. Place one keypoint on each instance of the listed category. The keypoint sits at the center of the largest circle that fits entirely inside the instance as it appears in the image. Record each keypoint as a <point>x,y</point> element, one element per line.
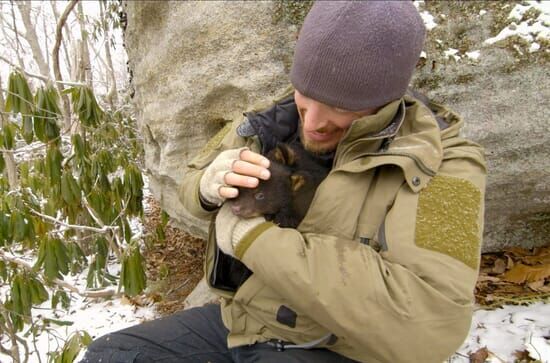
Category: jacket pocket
<point>278,318</point>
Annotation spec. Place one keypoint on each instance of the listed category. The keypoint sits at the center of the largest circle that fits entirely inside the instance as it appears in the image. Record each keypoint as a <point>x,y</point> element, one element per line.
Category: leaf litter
<point>512,322</point>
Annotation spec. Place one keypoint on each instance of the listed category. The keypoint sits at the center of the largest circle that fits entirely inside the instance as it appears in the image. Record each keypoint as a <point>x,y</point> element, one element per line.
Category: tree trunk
<point>17,41</point>
<point>31,37</point>
<point>11,168</point>
<point>63,41</point>
<point>84,64</point>
<point>112,95</point>
<point>46,32</point>
<point>55,61</point>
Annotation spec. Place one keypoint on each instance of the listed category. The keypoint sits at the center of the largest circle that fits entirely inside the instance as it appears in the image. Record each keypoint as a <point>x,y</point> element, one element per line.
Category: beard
<point>315,147</point>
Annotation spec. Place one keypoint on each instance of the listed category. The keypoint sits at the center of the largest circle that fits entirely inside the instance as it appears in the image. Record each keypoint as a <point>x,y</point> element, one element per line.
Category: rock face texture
<point>504,98</point>
<point>198,65</point>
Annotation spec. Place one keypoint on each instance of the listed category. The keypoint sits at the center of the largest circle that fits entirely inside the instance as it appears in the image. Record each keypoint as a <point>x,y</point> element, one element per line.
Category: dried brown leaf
<point>522,356</point>
<point>499,267</point>
<point>510,262</point>
<point>479,356</point>
<point>541,258</point>
<point>517,252</point>
<point>522,273</point>
<point>536,285</point>
<point>483,278</point>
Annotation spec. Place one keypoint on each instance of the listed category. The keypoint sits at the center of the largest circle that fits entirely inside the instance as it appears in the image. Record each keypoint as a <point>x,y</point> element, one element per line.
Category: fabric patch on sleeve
<point>447,219</point>
<point>216,140</point>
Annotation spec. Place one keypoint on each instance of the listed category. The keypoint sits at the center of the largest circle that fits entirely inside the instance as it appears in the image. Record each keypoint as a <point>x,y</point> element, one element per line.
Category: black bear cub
<point>285,197</point>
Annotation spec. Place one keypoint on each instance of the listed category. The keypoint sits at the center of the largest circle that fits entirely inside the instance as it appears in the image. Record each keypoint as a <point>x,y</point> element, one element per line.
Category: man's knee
<point>107,349</point>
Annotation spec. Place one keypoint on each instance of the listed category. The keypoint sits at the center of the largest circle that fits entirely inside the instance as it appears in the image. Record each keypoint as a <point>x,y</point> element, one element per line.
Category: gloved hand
<point>224,175</point>
<point>230,229</point>
<point>214,175</point>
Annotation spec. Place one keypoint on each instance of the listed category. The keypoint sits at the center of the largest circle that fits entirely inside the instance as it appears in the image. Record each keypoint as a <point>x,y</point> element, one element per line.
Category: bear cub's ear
<point>284,154</point>
<point>297,181</point>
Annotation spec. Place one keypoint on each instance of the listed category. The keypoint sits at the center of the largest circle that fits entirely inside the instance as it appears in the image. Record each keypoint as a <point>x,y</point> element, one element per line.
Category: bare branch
<point>102,230</point>
<point>86,293</point>
<point>39,76</point>
<point>17,42</point>
<point>10,330</point>
<point>114,245</point>
<point>32,38</point>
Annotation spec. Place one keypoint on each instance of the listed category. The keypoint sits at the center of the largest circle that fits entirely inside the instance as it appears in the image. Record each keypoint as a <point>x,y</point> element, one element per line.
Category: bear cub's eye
<point>259,196</point>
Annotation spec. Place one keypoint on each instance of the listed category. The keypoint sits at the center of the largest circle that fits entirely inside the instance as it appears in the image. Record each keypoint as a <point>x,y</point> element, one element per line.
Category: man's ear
<point>297,181</point>
<point>284,154</point>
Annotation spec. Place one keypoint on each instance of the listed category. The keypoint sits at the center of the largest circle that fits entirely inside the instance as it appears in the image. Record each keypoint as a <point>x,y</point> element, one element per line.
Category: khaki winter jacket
<point>386,259</point>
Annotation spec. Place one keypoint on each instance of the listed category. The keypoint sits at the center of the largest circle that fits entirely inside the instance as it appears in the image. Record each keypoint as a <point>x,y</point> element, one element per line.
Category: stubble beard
<point>314,147</point>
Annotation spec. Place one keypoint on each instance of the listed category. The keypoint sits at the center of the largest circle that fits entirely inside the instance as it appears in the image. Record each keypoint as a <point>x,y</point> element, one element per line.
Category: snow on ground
<point>93,316</point>
<point>502,331</point>
<point>505,330</point>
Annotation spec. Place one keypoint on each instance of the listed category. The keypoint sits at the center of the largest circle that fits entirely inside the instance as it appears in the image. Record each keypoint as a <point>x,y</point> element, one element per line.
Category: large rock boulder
<point>503,93</point>
<point>197,65</point>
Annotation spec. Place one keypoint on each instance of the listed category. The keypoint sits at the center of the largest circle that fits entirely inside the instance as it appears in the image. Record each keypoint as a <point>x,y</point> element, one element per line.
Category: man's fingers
<point>237,180</point>
<point>247,168</point>
<point>228,192</point>
<point>254,158</point>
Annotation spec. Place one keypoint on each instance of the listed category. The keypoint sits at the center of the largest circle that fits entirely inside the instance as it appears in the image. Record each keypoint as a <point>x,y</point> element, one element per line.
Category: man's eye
<point>259,196</point>
<point>339,110</point>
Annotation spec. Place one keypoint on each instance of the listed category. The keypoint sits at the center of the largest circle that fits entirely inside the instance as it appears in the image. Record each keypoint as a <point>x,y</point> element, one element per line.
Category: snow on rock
<point>451,52</point>
<point>426,16</point>
<point>473,54</point>
<point>428,20</point>
<point>530,29</point>
<point>534,47</point>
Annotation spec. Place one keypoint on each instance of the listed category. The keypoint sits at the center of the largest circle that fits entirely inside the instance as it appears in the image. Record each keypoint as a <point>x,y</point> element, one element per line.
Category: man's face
<point>323,126</point>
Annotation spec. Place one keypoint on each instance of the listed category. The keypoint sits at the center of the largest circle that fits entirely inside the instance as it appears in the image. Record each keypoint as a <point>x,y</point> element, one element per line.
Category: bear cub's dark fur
<point>285,197</point>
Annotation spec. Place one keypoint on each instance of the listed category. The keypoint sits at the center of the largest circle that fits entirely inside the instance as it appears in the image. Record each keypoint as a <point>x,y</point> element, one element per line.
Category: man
<point>383,266</point>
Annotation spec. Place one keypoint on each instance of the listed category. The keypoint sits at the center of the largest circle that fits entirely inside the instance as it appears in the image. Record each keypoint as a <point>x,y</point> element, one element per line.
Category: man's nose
<point>314,118</point>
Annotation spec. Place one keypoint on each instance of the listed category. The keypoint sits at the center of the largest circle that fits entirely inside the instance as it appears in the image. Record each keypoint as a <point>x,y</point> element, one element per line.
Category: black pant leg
<point>265,353</point>
<point>194,335</point>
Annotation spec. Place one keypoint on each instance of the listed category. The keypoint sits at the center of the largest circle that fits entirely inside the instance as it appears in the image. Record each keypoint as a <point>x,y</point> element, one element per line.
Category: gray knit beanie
<point>357,54</point>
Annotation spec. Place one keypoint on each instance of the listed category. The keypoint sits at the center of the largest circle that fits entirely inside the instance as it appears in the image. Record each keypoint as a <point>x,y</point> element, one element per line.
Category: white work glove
<point>214,175</point>
<point>230,229</point>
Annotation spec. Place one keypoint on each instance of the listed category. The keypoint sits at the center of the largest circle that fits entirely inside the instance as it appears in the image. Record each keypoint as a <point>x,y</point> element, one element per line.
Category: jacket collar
<point>403,133</point>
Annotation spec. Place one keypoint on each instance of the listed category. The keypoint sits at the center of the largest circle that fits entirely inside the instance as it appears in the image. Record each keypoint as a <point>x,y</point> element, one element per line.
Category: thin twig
<point>40,76</point>
<point>114,245</point>
<point>103,230</point>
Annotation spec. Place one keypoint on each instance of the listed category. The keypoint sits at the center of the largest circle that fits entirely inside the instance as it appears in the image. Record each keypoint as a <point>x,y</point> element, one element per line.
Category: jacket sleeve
<point>411,302</point>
